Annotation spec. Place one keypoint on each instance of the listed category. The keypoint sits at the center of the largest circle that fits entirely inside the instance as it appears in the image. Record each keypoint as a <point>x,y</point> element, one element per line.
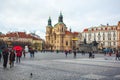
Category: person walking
<point>11,58</point>
<point>24,53</point>
<point>66,53</point>
<point>31,53</point>
<point>0,54</point>
<point>90,54</point>
<point>117,55</point>
<point>74,52</point>
<point>5,54</point>
<point>18,55</point>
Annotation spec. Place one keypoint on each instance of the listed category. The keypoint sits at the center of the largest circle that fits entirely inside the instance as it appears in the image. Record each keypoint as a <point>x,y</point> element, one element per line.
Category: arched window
<point>62,29</point>
<point>66,43</point>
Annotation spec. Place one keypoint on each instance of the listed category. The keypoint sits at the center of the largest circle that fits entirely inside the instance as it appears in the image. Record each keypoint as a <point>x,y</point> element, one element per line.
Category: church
<point>58,37</point>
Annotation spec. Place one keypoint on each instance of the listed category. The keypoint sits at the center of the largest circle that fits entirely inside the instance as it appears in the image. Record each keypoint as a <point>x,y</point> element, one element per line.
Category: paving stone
<point>52,66</point>
<point>93,76</point>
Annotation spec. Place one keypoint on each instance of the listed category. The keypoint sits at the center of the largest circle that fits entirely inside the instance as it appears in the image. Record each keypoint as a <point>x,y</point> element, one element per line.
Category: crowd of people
<point>10,55</point>
<point>91,54</point>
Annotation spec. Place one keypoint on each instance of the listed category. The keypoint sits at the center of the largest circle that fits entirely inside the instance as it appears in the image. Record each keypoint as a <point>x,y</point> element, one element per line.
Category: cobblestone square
<point>53,66</point>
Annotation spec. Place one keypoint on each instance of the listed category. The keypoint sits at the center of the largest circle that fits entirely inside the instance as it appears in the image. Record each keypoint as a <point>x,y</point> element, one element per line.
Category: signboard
<point>74,39</point>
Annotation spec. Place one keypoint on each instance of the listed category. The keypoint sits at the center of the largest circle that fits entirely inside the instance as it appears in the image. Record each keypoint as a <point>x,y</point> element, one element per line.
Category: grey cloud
<point>32,15</point>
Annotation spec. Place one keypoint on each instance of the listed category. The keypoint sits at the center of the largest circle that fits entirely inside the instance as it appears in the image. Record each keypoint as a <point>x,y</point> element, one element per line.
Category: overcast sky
<point>32,15</point>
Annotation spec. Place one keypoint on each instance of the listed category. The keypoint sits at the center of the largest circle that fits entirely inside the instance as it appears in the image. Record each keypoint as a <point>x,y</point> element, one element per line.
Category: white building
<point>105,35</point>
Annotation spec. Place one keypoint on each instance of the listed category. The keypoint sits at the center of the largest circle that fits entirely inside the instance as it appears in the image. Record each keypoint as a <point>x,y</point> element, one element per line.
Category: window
<point>89,36</point>
<point>94,36</point>
<point>109,44</point>
<point>103,36</point>
<point>62,29</point>
<point>113,38</point>
<point>103,43</point>
<point>114,43</point>
<point>66,43</point>
<point>109,36</point>
<point>114,34</point>
<point>99,36</point>
<point>62,39</point>
<point>57,41</point>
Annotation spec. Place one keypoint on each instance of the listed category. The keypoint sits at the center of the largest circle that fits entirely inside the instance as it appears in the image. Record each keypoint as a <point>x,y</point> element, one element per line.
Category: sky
<point>32,15</point>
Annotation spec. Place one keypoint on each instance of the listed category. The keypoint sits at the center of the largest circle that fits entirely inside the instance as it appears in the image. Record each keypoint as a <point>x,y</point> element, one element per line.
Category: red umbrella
<point>17,48</point>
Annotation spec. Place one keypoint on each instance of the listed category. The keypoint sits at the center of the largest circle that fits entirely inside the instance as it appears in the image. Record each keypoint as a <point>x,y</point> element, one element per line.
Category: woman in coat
<point>18,55</point>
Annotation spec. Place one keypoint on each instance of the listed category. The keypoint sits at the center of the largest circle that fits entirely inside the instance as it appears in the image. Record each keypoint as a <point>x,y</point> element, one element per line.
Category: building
<point>58,37</point>
<point>23,39</point>
<point>118,35</point>
<point>108,36</point>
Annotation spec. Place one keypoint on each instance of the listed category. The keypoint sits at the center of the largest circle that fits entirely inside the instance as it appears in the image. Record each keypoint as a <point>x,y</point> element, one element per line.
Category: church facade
<point>58,37</point>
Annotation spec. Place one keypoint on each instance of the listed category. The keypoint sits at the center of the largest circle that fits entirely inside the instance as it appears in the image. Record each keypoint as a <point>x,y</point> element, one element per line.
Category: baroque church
<point>58,37</point>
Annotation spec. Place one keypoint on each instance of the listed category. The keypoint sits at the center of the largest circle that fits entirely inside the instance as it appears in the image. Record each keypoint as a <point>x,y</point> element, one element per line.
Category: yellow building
<point>58,37</point>
<point>21,38</point>
<point>37,43</point>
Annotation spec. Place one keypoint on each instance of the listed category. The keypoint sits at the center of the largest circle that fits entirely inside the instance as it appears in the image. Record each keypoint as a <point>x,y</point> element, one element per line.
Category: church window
<point>62,29</point>
<point>66,43</point>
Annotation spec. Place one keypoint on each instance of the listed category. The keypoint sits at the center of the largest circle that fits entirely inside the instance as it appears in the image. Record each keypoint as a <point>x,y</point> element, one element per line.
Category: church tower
<point>61,28</point>
<point>49,22</point>
<point>60,19</point>
<point>48,30</point>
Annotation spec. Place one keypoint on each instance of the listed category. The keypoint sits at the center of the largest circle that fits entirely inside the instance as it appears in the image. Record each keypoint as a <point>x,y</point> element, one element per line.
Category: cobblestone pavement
<point>52,66</point>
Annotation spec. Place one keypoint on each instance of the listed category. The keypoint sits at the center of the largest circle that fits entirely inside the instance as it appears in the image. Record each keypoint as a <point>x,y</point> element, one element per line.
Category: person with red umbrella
<point>18,55</point>
<point>18,50</point>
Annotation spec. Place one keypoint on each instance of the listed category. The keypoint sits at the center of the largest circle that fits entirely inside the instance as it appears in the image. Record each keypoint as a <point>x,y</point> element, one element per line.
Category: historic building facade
<point>58,37</point>
<point>21,38</point>
<point>118,34</point>
<point>106,35</point>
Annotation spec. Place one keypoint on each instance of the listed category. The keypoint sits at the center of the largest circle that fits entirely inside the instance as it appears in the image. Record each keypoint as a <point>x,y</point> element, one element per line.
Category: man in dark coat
<point>74,52</point>
<point>5,57</point>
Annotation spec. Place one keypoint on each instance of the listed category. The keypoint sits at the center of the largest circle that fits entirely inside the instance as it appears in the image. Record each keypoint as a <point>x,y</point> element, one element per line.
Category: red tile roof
<point>18,34</point>
<point>85,30</point>
<point>68,32</point>
<point>75,33</point>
